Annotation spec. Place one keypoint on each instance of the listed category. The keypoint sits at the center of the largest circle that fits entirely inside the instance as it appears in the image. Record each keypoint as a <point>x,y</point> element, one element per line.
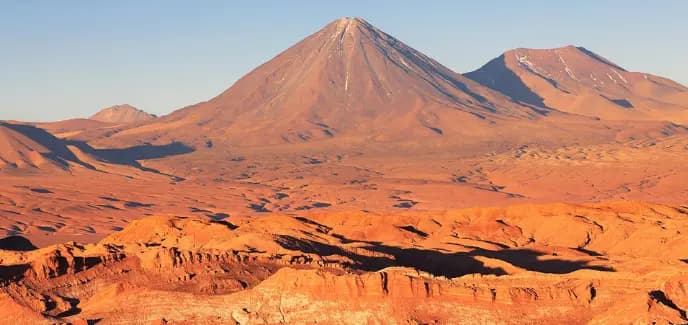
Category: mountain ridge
<point>348,78</point>
<point>577,80</point>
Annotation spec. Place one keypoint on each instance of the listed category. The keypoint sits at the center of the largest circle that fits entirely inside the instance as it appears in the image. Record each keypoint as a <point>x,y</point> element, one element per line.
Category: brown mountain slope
<point>39,150</point>
<point>349,79</point>
<point>76,129</point>
<point>122,114</point>
<point>28,148</point>
<point>107,121</point>
<point>576,80</point>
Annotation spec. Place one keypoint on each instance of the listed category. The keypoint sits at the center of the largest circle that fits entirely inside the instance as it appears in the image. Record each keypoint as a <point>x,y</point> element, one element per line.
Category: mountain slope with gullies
<point>348,80</point>
<point>577,80</point>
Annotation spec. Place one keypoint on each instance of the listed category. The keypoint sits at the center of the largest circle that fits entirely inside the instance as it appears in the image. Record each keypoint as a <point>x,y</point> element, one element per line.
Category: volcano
<point>124,113</point>
<point>348,80</point>
<point>577,80</point>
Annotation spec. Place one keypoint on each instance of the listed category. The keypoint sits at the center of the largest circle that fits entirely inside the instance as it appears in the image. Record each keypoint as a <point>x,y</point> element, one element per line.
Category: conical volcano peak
<point>350,21</point>
<point>347,27</point>
<point>349,79</point>
<point>344,22</point>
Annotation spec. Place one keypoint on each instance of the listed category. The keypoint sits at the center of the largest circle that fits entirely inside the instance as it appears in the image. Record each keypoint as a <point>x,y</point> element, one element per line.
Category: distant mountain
<point>122,114</point>
<point>75,129</point>
<point>29,148</point>
<point>348,80</point>
<point>576,80</point>
<point>350,85</point>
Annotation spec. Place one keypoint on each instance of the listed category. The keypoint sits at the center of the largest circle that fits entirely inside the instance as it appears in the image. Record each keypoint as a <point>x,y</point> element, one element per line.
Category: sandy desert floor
<point>55,207</point>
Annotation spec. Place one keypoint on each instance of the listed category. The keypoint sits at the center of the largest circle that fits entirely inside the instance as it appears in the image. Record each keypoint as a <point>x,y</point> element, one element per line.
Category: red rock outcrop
<point>587,264</point>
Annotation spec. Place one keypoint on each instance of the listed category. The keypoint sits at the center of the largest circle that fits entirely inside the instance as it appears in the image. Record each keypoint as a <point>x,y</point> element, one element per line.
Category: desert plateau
<point>353,179</point>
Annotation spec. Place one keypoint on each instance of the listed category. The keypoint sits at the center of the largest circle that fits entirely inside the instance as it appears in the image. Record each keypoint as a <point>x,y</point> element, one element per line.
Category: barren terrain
<point>355,180</point>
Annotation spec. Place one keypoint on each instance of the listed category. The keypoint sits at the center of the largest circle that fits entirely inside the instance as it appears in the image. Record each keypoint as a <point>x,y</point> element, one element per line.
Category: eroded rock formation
<point>598,264</point>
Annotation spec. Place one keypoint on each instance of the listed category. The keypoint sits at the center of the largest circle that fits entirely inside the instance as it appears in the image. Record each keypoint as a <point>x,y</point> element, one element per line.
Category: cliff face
<point>472,266</point>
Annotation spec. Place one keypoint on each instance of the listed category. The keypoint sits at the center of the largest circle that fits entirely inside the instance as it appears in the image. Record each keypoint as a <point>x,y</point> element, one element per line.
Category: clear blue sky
<point>63,59</point>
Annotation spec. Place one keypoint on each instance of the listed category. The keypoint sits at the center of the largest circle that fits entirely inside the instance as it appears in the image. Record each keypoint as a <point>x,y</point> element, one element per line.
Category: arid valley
<point>353,179</point>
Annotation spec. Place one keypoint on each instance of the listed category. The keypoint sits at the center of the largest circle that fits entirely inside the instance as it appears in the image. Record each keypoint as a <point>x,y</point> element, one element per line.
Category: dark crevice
<point>660,297</point>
